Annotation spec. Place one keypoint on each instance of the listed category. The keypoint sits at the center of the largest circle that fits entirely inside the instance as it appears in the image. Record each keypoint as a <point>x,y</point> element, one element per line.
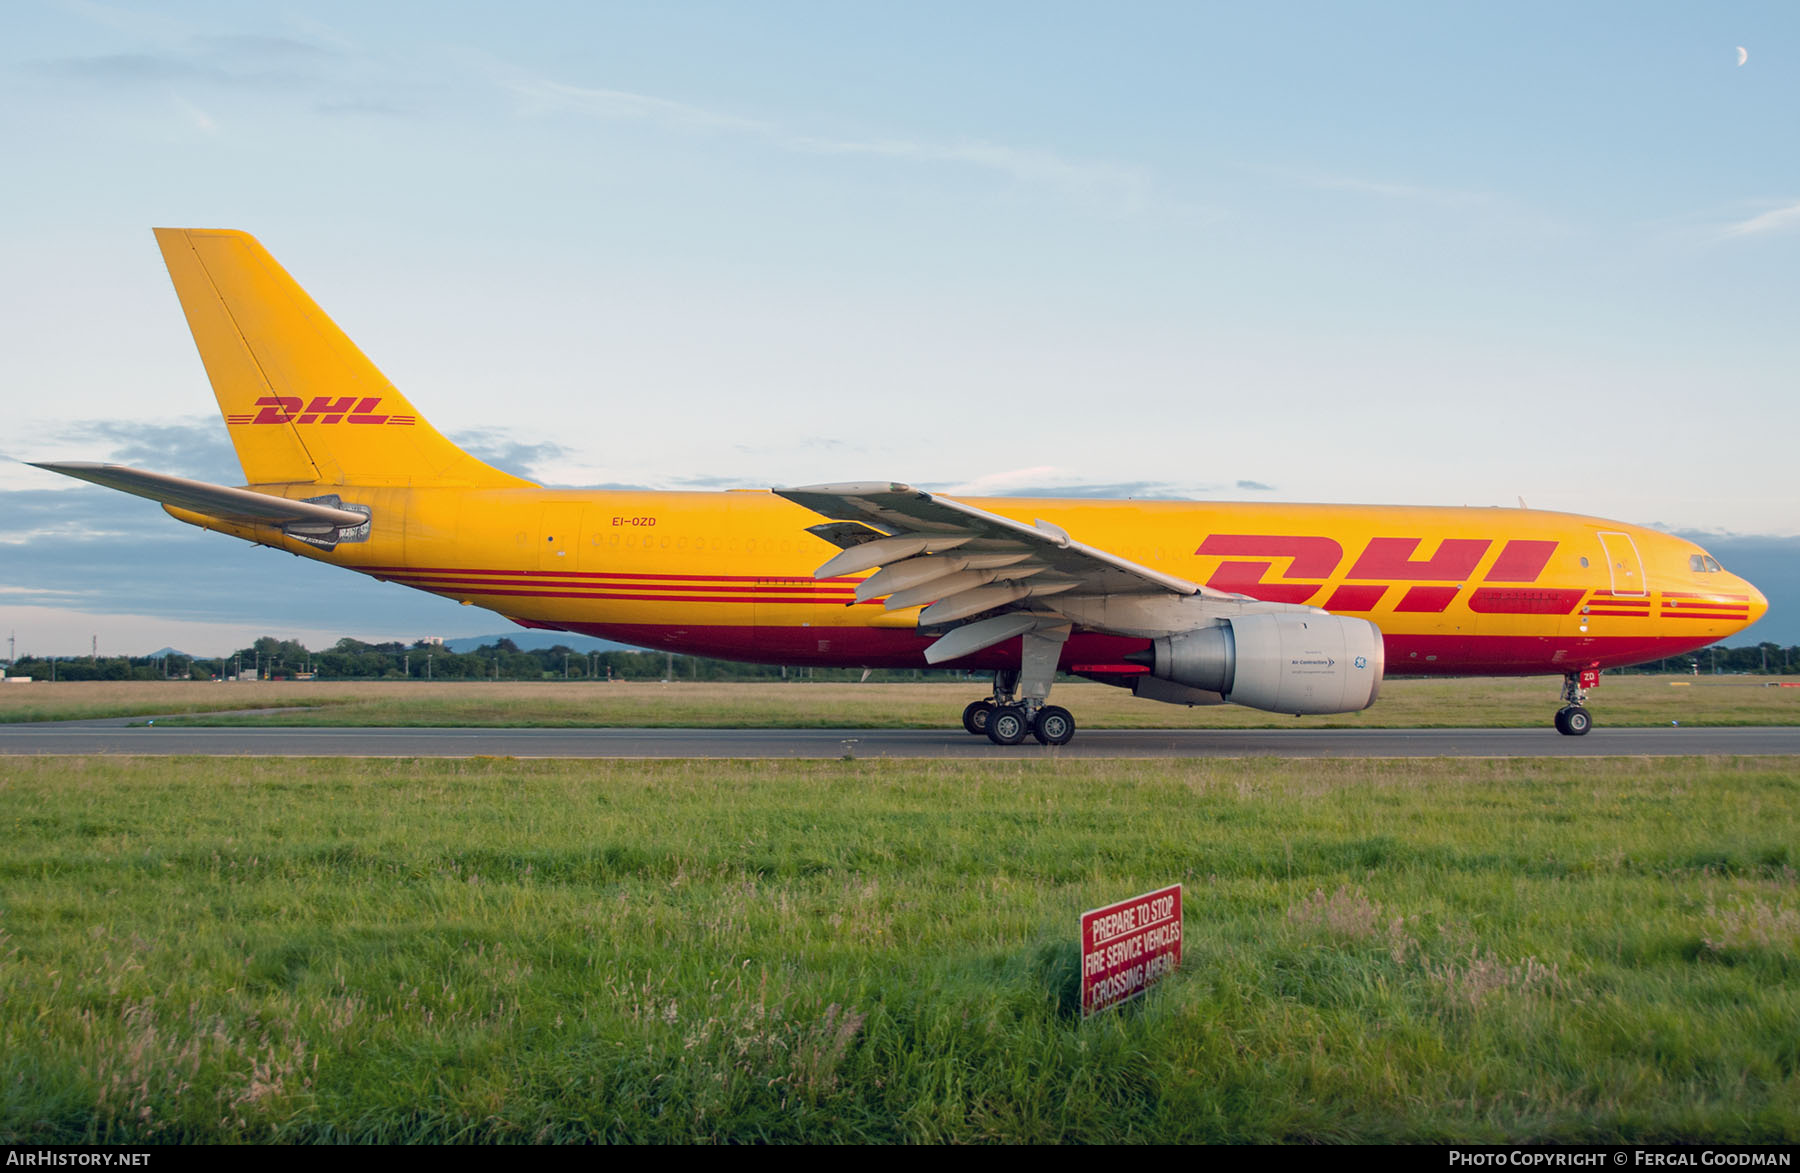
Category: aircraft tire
<point>1574,721</point>
<point>1054,725</point>
<point>1008,725</point>
<point>975,717</point>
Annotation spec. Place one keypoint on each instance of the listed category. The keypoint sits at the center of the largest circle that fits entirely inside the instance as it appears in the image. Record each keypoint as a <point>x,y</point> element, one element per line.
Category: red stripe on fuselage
<point>1522,601</point>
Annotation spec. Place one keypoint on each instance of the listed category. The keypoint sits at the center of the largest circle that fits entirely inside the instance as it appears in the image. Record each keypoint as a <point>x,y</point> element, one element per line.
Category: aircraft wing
<point>227,504</point>
<point>964,561</point>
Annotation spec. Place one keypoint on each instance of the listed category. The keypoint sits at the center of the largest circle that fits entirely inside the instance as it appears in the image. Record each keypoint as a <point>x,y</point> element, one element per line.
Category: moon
<point>1743,54</point>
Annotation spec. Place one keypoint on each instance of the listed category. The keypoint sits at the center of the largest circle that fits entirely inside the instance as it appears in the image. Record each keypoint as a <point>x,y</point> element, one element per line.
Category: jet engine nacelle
<point>1282,662</point>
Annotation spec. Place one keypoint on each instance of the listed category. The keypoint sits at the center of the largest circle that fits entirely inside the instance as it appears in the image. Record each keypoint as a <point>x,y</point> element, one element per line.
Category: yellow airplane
<point>1286,608</point>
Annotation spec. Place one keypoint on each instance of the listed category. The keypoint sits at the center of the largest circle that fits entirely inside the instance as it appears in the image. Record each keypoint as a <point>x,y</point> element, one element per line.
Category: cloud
<point>226,68</point>
<point>1496,209</point>
<point>355,108</point>
<point>1398,191</point>
<point>238,62</point>
<point>1774,220</point>
<point>1114,490</point>
<point>498,447</point>
<point>200,448</point>
<point>28,515</point>
<point>136,68</point>
<point>264,48</point>
<point>1125,186</point>
<point>200,118</point>
<point>1255,487</point>
<point>194,446</point>
<point>713,482</point>
<point>1049,481</point>
<point>626,106</point>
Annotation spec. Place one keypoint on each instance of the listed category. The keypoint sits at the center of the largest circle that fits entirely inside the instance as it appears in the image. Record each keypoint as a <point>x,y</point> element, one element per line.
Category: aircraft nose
<point>1759,605</point>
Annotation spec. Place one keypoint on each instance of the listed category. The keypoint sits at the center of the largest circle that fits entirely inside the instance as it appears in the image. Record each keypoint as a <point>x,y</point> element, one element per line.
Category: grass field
<point>494,950</point>
<point>1620,701</point>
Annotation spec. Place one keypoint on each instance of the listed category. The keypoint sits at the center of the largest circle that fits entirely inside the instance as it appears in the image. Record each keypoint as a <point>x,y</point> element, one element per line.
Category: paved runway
<point>115,737</point>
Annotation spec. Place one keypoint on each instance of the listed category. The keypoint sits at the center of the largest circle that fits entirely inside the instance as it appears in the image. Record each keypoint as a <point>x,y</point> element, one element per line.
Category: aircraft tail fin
<point>303,404</point>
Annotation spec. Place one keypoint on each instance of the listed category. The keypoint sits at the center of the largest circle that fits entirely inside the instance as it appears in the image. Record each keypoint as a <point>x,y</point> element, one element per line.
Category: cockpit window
<point>1713,565</point>
<point>1704,564</point>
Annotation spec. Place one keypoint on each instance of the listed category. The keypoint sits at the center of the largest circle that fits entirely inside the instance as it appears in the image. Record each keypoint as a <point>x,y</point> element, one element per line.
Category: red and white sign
<point>1590,678</point>
<point>1126,947</point>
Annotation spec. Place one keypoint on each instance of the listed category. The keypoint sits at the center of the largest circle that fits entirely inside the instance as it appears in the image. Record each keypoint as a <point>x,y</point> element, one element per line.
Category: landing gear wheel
<point>1573,721</point>
<point>1054,725</point>
<point>975,717</point>
<point>1008,725</point>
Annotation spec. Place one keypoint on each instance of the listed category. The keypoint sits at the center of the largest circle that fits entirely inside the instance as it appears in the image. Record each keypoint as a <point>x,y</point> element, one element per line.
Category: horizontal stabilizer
<point>218,501</point>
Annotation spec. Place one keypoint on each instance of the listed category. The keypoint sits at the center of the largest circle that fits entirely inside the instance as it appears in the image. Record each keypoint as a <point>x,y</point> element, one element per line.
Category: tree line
<point>349,659</point>
<point>270,658</point>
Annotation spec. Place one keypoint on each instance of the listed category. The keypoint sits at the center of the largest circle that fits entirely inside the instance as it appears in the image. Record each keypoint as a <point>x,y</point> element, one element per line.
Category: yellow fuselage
<point>1453,590</point>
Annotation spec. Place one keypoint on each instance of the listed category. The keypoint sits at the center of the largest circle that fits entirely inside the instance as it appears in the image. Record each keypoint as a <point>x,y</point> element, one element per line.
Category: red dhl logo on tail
<point>1384,564</point>
<point>324,409</point>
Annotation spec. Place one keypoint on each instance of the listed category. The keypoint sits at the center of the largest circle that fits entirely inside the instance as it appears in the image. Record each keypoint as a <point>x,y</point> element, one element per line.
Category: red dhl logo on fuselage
<point>1384,565</point>
<point>324,409</point>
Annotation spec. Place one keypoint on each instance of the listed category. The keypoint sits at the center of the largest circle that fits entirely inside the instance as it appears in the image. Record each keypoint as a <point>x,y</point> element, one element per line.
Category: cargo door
<point>789,623</point>
<point>559,536</point>
<point>1623,564</point>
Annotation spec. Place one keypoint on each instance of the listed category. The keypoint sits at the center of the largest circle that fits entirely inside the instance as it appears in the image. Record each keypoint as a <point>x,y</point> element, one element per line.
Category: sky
<point>1407,253</point>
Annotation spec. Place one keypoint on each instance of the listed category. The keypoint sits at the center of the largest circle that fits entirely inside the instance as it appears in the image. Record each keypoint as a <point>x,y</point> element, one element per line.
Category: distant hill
<point>530,640</point>
<point>162,653</point>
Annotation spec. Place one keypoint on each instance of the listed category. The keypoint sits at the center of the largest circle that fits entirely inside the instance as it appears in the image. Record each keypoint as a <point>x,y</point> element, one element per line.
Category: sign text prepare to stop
<point>1126,947</point>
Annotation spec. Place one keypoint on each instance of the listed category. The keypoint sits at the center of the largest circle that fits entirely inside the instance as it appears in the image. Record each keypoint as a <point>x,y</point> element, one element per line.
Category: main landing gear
<point>1573,719</point>
<point>1007,721</point>
<point>1017,709</point>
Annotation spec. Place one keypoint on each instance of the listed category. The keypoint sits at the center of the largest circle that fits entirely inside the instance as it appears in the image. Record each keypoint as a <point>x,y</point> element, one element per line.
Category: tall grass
<point>496,950</point>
